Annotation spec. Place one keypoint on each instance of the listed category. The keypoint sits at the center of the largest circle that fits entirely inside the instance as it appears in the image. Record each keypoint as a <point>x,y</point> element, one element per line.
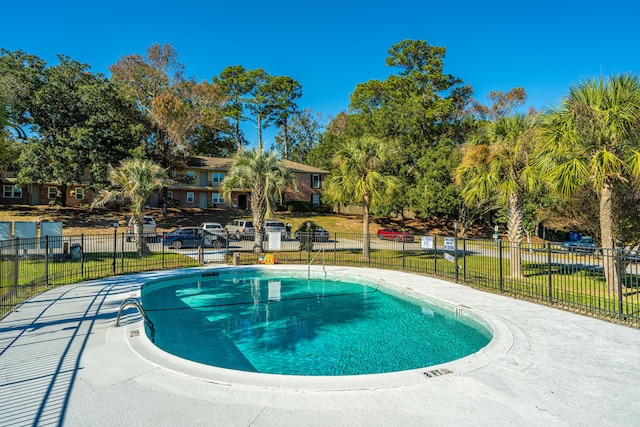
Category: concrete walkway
<point>63,362</point>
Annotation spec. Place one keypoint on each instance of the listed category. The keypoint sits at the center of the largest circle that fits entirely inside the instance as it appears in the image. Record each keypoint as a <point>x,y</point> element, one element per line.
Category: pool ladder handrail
<point>312,259</point>
<point>135,303</point>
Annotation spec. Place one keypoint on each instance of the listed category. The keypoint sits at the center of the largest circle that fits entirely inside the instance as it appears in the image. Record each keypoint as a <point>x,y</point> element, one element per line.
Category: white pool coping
<point>63,361</point>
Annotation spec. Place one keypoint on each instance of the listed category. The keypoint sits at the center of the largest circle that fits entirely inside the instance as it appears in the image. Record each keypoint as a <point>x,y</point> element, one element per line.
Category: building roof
<point>221,163</point>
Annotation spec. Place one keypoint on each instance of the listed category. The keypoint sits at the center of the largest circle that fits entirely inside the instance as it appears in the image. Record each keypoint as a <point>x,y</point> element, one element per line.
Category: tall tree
<point>302,135</point>
<point>497,167</point>
<point>77,120</point>
<point>259,100</point>
<point>21,76</point>
<point>359,178</point>
<point>134,180</point>
<point>266,176</point>
<point>9,150</point>
<point>234,84</point>
<point>435,192</point>
<point>419,106</point>
<point>283,91</point>
<point>330,141</point>
<point>591,139</point>
<point>176,108</point>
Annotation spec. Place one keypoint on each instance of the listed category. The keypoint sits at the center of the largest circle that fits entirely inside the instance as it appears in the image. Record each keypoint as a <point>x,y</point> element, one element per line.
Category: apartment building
<point>197,186</point>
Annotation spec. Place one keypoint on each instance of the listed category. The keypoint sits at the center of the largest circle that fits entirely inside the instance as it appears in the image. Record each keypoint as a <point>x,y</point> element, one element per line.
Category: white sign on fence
<point>5,230</point>
<point>427,242</point>
<point>26,232</point>
<point>54,231</point>
<point>449,244</point>
<point>449,257</point>
<point>274,240</point>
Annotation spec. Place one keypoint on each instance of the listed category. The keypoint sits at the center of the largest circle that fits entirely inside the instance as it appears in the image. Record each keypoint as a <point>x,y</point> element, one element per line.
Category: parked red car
<point>395,235</point>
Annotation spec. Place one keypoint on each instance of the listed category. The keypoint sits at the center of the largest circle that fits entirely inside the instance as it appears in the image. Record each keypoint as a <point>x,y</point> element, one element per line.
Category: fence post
<point>501,279</point>
<point>455,250</point>
<point>464,260</point>
<point>403,239</point>
<point>115,248</point>
<point>82,255</point>
<point>16,267</point>
<point>620,303</point>
<point>46,261</point>
<point>122,252</point>
<point>435,255</point>
<point>550,273</point>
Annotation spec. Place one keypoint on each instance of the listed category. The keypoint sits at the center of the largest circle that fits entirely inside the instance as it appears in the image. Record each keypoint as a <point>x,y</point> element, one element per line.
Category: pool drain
<point>437,373</point>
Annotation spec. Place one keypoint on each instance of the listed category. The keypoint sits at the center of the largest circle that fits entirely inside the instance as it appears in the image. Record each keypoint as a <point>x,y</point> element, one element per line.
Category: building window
<point>11,192</point>
<point>191,177</point>
<point>315,180</point>
<point>52,192</point>
<point>315,199</point>
<point>216,198</point>
<point>79,193</point>
<point>169,195</point>
<point>190,197</point>
<point>217,178</point>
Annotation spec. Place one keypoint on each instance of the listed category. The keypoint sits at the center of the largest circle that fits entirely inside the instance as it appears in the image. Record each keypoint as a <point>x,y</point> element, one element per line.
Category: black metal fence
<point>603,283</point>
<point>31,266</point>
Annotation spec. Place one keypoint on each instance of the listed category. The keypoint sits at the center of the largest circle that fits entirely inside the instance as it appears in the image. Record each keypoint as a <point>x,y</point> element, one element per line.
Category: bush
<point>299,206</point>
<point>323,209</point>
<point>172,203</point>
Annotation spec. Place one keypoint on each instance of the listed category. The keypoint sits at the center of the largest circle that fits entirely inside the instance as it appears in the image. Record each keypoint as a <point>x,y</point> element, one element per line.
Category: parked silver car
<point>148,229</point>
<point>213,227</point>
<point>240,229</point>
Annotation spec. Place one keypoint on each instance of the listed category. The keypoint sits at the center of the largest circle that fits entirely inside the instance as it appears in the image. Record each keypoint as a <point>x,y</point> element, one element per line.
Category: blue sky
<point>331,46</point>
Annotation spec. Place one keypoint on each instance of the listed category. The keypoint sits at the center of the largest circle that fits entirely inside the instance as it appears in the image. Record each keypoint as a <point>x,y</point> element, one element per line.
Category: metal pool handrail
<point>135,303</point>
<point>312,259</point>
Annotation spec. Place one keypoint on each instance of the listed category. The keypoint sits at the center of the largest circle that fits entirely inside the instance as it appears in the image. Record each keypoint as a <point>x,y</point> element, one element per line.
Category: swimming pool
<point>283,322</point>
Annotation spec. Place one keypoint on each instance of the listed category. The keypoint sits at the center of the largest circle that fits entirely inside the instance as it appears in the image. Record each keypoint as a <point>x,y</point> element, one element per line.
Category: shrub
<point>299,206</point>
<point>323,209</point>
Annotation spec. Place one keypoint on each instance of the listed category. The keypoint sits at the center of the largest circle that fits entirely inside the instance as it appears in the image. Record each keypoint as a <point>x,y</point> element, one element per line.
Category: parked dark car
<point>395,235</point>
<point>192,237</point>
<point>313,230</point>
<point>585,244</point>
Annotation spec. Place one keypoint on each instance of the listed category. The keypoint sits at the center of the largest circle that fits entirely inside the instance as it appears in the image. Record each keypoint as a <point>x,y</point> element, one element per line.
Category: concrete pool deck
<point>63,362</point>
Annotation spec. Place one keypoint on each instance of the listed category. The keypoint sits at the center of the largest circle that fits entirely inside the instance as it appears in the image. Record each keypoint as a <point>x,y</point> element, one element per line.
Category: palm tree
<point>591,138</point>
<point>360,178</point>
<point>267,177</point>
<point>135,179</point>
<point>496,169</point>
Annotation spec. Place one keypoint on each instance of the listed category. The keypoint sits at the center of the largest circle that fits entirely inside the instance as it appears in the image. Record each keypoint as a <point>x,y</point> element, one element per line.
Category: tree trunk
<point>606,233</point>
<point>259,123</point>
<point>514,233</point>
<point>61,195</point>
<point>365,228</point>
<point>258,209</point>
<point>165,202</point>
<point>285,129</point>
<point>237,134</point>
<point>141,244</point>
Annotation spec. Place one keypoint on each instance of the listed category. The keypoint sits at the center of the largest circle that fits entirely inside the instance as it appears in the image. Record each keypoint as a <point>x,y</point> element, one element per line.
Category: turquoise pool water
<point>269,322</point>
